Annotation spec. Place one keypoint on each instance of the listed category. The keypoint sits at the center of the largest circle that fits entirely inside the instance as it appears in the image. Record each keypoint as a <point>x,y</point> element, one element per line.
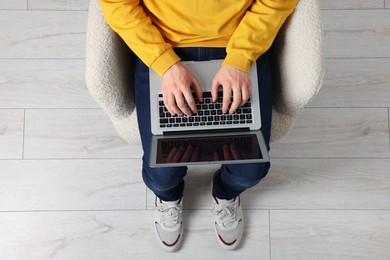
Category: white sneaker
<point>168,224</point>
<point>228,222</point>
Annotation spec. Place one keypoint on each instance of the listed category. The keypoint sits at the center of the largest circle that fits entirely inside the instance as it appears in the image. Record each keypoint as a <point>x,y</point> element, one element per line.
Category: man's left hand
<point>234,82</point>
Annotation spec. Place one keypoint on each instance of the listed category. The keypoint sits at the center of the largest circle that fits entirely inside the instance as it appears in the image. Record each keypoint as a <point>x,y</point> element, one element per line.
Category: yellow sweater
<point>152,28</point>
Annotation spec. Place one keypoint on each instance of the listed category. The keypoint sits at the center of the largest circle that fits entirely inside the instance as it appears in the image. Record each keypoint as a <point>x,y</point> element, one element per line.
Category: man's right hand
<point>177,83</point>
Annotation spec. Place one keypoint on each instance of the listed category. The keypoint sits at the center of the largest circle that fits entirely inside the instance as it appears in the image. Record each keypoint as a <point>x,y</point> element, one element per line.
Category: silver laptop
<point>208,136</point>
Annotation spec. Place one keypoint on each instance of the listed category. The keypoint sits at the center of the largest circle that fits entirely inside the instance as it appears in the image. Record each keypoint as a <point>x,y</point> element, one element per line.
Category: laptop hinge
<point>207,131</point>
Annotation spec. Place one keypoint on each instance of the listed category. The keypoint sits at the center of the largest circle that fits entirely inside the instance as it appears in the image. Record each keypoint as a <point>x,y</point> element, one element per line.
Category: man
<point>164,33</point>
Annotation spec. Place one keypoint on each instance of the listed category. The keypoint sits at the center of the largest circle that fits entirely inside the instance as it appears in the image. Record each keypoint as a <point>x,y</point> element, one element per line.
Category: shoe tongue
<point>176,202</point>
<point>223,202</point>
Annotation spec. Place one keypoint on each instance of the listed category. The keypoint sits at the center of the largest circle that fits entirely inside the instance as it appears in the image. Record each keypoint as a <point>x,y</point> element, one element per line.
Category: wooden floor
<point>70,188</point>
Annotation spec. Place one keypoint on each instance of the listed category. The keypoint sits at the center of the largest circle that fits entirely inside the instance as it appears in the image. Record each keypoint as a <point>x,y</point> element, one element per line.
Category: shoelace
<point>169,214</point>
<point>226,214</point>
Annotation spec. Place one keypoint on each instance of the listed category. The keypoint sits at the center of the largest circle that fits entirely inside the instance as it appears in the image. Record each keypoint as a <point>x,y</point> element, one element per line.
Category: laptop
<point>208,136</point>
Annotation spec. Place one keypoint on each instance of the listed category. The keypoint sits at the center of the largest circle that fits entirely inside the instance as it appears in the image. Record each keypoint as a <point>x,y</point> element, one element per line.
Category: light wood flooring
<point>71,189</point>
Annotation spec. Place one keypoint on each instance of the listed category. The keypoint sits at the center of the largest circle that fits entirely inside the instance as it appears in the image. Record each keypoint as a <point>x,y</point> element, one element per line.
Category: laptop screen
<point>229,148</point>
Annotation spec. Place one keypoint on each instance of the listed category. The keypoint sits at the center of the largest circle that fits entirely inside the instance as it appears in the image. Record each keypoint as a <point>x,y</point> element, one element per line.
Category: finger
<point>226,96</point>
<point>236,100</point>
<point>187,154</point>
<point>216,156</point>
<point>171,154</point>
<point>235,153</point>
<point>214,89</point>
<point>226,152</point>
<point>181,104</point>
<point>170,104</point>
<point>190,102</point>
<point>195,155</point>
<point>197,89</point>
<point>178,154</point>
<point>245,94</point>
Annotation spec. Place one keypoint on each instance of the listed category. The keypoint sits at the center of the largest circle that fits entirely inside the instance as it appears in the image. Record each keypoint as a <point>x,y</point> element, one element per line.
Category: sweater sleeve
<point>128,19</point>
<point>257,31</point>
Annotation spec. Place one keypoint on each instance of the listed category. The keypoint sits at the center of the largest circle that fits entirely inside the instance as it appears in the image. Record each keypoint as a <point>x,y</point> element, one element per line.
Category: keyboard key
<point>206,94</point>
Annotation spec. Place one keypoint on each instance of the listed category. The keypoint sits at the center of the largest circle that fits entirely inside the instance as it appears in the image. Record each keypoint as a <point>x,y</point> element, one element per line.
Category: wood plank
<point>356,33</point>
<point>337,132</point>
<point>121,235</point>
<point>351,4</point>
<point>302,184</point>
<point>28,185</point>
<point>336,235</point>
<point>13,4</point>
<point>44,84</point>
<point>34,37</point>
<point>11,133</point>
<point>58,5</point>
<point>355,83</point>
<point>74,133</point>
<point>323,184</point>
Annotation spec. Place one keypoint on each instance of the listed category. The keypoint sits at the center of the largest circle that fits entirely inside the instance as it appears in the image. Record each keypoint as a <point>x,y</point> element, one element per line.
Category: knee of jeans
<point>249,177</point>
<point>163,179</point>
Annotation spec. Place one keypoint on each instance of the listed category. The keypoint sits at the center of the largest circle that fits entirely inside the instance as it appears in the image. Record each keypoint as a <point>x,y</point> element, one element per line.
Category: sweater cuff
<point>165,61</point>
<point>238,61</point>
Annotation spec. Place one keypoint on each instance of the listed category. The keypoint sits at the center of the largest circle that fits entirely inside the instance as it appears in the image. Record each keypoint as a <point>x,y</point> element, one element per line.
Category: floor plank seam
<point>269,235</point>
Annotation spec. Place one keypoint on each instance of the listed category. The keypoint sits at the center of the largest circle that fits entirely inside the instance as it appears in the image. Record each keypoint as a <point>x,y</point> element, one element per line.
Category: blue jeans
<point>232,179</point>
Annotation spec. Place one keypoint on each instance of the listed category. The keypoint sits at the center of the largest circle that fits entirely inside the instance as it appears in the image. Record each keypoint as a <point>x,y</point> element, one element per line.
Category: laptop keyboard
<point>208,114</point>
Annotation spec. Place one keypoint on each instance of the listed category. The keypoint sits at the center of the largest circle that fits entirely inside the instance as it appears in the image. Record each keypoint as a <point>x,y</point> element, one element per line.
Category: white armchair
<point>297,68</point>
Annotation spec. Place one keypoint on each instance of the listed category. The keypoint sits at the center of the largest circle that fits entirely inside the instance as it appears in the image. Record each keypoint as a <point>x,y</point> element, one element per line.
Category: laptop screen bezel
<point>156,139</point>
